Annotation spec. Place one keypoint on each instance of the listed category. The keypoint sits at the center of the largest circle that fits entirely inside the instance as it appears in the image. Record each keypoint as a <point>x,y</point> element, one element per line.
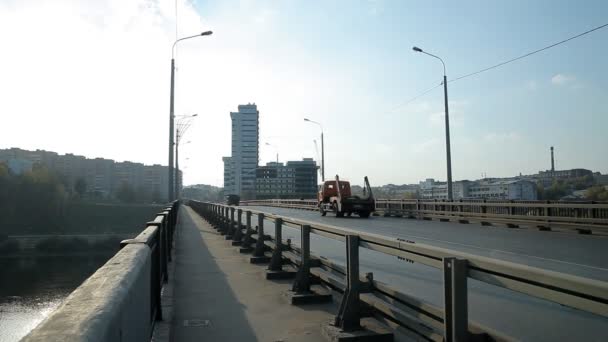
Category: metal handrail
<point>582,217</point>
<point>581,293</point>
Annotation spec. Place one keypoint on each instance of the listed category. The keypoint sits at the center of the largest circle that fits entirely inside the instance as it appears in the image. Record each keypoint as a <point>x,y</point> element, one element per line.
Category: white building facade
<point>239,169</point>
<point>513,189</point>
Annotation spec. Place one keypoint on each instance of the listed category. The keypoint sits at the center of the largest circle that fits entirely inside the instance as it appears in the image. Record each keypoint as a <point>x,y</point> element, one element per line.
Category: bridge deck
<point>219,296</point>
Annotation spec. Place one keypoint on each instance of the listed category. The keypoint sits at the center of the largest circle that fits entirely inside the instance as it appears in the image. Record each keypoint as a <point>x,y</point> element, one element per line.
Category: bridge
<point>277,271</point>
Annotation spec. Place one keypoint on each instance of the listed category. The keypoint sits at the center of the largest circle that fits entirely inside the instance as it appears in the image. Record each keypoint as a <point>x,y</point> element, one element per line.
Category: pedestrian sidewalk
<point>219,296</point>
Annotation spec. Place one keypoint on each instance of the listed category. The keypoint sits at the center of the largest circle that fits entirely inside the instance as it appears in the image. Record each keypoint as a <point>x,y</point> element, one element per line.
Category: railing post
<point>302,283</point>
<point>246,245</point>
<point>348,318</point>
<point>231,228</point>
<point>259,244</point>
<point>226,225</point>
<point>455,319</point>
<point>276,263</point>
<point>238,233</point>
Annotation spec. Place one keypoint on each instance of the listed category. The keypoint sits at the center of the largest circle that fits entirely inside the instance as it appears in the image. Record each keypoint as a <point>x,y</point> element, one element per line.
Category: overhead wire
<point>414,98</point>
<point>528,54</point>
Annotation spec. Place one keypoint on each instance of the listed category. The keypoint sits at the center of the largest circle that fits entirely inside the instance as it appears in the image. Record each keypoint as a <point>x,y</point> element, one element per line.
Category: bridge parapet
<point>450,322</point>
<point>121,300</point>
<point>580,217</point>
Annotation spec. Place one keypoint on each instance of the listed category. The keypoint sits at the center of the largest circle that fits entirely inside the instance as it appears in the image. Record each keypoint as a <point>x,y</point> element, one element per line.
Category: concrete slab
<point>220,296</point>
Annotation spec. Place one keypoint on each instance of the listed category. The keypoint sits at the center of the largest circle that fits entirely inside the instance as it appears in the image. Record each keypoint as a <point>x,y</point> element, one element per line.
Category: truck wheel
<point>364,214</point>
<point>322,211</point>
<point>340,214</point>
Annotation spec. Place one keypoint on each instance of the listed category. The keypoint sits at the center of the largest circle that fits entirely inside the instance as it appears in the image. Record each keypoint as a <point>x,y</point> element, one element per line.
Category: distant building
<point>484,189</point>
<point>228,176</point>
<point>296,179</point>
<point>241,166</point>
<point>505,189</point>
<point>546,178</point>
<point>102,177</point>
<point>600,179</point>
<point>306,171</point>
<point>19,166</point>
<point>430,189</point>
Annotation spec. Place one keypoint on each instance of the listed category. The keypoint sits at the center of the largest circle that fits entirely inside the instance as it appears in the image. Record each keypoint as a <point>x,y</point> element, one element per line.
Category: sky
<point>92,78</point>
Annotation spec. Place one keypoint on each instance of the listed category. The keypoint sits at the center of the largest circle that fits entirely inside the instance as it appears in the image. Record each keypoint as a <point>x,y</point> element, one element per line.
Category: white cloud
<point>562,79</point>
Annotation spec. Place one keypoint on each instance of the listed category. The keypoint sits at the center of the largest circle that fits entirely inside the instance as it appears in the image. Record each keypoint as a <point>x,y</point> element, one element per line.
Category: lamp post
<point>322,149</point>
<point>447,122</point>
<point>183,124</point>
<point>171,116</point>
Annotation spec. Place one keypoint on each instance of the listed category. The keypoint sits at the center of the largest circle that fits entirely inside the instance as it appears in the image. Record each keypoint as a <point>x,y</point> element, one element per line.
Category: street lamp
<point>322,150</point>
<point>171,116</point>
<point>277,167</point>
<point>447,122</point>
<point>183,124</point>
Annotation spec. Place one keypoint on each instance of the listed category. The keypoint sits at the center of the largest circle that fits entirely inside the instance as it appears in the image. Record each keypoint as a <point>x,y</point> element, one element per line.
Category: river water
<point>32,287</point>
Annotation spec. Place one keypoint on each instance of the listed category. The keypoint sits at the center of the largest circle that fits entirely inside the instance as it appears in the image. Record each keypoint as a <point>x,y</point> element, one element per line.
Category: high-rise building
<point>228,176</point>
<point>245,147</point>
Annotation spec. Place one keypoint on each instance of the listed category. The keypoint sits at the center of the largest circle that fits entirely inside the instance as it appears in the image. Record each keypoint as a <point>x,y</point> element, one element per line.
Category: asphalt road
<point>520,316</point>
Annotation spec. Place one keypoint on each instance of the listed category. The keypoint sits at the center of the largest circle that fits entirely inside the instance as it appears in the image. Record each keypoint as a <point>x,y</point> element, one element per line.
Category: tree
<point>80,187</point>
<point>597,193</point>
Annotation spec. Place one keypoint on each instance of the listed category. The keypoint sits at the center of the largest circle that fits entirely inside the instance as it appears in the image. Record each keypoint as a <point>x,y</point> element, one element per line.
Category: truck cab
<point>336,196</point>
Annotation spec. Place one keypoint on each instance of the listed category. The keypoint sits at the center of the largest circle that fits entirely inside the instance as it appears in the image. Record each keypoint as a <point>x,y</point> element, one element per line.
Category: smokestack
<point>552,161</point>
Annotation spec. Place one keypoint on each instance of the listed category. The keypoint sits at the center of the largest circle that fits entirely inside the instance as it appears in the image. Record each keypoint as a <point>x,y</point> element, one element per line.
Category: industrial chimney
<point>552,161</point>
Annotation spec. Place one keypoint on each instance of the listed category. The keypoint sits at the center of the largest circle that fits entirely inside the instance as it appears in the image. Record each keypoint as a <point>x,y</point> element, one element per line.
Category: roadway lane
<point>520,316</point>
<point>583,255</point>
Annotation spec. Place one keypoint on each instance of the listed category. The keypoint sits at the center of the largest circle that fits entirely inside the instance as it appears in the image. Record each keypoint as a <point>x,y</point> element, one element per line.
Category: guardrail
<point>121,300</point>
<point>582,217</point>
<point>450,323</point>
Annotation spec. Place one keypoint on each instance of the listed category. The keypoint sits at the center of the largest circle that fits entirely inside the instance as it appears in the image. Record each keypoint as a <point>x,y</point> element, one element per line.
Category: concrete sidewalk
<point>219,296</point>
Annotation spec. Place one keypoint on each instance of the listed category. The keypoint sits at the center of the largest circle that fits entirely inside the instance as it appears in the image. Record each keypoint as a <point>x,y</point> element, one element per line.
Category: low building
<point>431,189</point>
<point>295,179</point>
<point>600,179</point>
<point>514,189</point>
<point>503,189</point>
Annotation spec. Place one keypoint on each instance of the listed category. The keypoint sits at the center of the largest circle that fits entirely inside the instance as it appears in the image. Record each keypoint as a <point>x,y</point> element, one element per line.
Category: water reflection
<point>32,287</point>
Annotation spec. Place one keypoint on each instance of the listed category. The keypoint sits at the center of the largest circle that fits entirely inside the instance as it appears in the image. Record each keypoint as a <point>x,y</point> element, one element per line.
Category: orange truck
<point>335,196</point>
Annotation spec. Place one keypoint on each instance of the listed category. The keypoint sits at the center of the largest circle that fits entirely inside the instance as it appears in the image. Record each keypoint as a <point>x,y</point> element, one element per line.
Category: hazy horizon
<point>93,79</point>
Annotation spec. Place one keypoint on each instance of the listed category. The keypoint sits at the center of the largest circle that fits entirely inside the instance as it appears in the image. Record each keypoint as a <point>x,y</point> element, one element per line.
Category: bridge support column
<point>455,300</point>
<point>300,292</point>
<point>258,253</point>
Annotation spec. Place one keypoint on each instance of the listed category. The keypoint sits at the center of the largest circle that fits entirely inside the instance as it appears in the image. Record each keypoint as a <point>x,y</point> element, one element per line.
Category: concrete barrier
<point>112,305</point>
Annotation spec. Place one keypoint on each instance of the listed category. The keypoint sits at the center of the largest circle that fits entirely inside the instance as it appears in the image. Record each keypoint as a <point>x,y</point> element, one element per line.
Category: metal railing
<point>450,323</point>
<point>128,285</point>
<point>582,217</point>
